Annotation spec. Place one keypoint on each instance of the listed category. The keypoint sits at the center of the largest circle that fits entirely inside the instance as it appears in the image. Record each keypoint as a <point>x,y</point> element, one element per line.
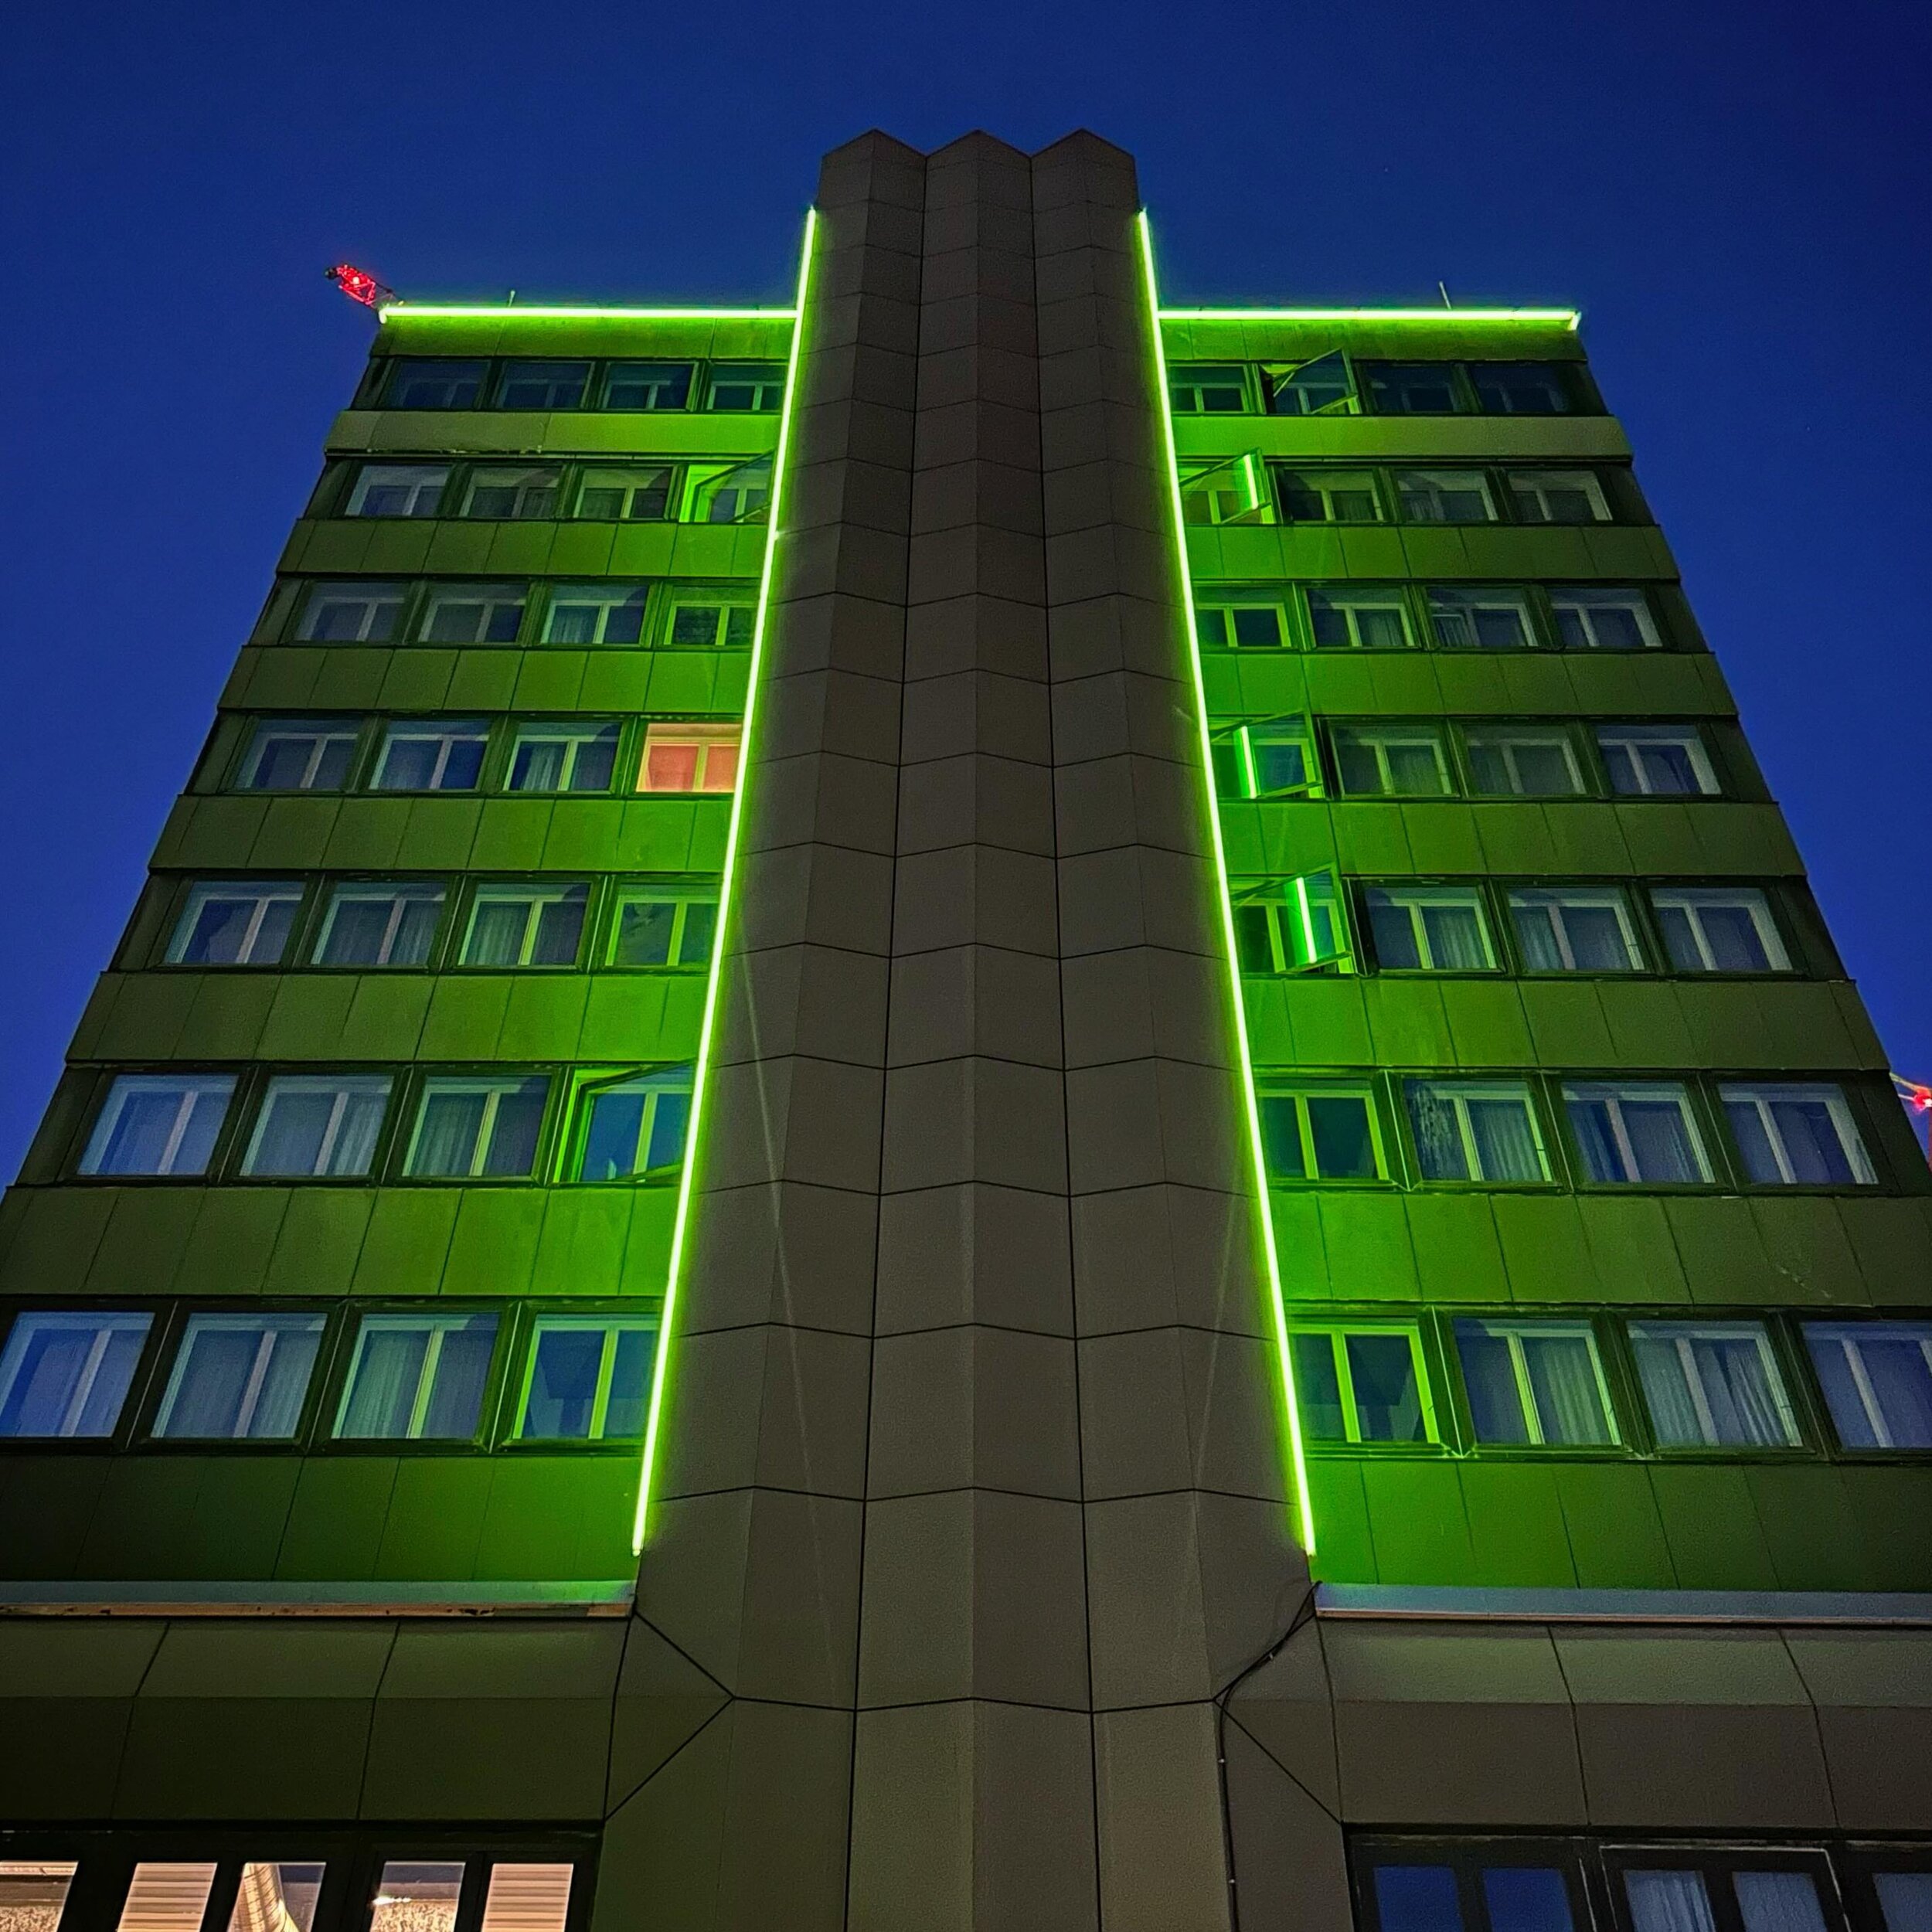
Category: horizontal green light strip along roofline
<point>1563,318</point>
<point>568,312</point>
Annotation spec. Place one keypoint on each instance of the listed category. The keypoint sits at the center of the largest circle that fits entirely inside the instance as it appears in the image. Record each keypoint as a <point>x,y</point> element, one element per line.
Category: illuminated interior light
<point>681,1223</point>
<point>1546,318</point>
<point>568,312</point>
<point>1277,1307</point>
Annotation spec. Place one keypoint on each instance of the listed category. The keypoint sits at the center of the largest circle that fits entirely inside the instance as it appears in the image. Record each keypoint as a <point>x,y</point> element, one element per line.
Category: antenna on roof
<point>360,286</point>
<point>1442,290</point>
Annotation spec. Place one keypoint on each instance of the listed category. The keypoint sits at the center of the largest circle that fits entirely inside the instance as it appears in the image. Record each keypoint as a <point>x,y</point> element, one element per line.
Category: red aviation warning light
<point>360,286</point>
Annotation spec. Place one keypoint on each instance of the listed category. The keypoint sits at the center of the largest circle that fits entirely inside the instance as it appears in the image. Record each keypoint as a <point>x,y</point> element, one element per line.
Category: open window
<point>1294,926</point>
<point>728,492</point>
<point>1320,387</point>
<point>1233,492</point>
<point>632,1129</point>
<point>1273,758</point>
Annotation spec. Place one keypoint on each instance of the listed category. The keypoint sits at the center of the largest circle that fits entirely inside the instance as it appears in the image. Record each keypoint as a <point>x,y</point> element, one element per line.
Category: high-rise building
<point>1092,1010</point>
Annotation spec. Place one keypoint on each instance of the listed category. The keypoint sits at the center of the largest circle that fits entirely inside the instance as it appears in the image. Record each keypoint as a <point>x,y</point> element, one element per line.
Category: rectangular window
<point>689,758</point>
<point>709,621</point>
<point>746,385</point>
<point>1327,496</point>
<point>525,926</point>
<point>1430,929</point>
<point>1374,617</point>
<point>1712,1385</point>
<point>560,757</point>
<point>317,1125</point>
<point>1410,1895</point>
<point>1591,619</point>
<point>1720,929</point>
<point>625,493</point>
<point>397,489</point>
<point>416,1897</point>
<point>652,929</point>
<point>339,612</point>
<point>587,1381</point>
<point>1471,619</point>
<point>67,1372</point>
<point>297,754</point>
<point>1318,388</point>
<point>1444,496</point>
<point>1523,761</point>
<point>536,1898</point>
<point>431,754</point>
<point>734,493</point>
<point>512,492</point>
<point>1235,491</point>
<point>1657,761</point>
<point>240,1377</point>
<point>1327,1134</point>
<point>1292,926</point>
<point>596,614</point>
<point>1575,929</point>
<point>1241,627</point>
<point>1905,1900</point>
<point>648,386</point>
<point>1636,1133</point>
<point>1683,1898</point>
<point>542,385</point>
<point>473,613</point>
<point>235,923</point>
<point>1361,1385</point>
<point>632,1130</point>
<point>1797,1135</point>
<point>417,1378</point>
<point>33,1892</point>
<point>1476,1131</point>
<point>1558,496</point>
<point>1411,388</point>
<point>1535,1383</point>
<point>1877,1380</point>
<point>1392,761</point>
<point>277,1897</point>
<point>379,925</point>
<point>1274,760</point>
<point>433,383</point>
<point>1207,389</point>
<point>166,1898</point>
<point>1522,389</point>
<point>158,1124</point>
<point>479,1128</point>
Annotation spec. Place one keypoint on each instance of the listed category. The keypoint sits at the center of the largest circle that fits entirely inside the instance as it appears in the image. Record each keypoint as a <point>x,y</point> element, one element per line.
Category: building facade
<point>977,1106</point>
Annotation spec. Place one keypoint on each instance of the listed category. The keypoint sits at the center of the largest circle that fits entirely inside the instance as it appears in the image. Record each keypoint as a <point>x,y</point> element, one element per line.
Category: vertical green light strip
<point>1278,1306</point>
<point>681,1223</point>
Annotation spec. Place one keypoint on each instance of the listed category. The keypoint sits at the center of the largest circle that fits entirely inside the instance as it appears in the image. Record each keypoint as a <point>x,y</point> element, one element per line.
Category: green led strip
<point>566,312</point>
<point>1560,317</point>
<point>1278,1306</point>
<point>680,1226</point>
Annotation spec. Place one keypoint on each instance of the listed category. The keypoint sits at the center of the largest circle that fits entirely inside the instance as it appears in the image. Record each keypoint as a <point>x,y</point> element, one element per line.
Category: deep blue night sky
<point>1736,197</point>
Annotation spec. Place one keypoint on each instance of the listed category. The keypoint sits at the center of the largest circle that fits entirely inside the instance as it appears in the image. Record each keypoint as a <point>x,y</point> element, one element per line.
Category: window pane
<point>1526,1898</point>
<point>1796,1136</point>
<point>1417,1898</point>
<point>431,755</point>
<point>1328,496</point>
<point>167,1898</point>
<point>1439,929</point>
<point>566,1359</point>
<point>1317,1388</point>
<point>1711,1385</point>
<point>591,613</point>
<point>1540,764</point>
<point>417,1377</point>
<point>276,1898</point>
<point>158,1124</point>
<point>1777,1901</point>
<point>235,923</point>
<point>1339,1127</point>
<point>542,385</point>
<point>1658,760</point>
<point>1208,389</point>
<point>1588,619</point>
<point>340,613</point>
<point>646,385</point>
<point>626,493</point>
<point>1905,1899</point>
<point>634,1127</point>
<point>1322,384</point>
<point>316,1124</point>
<point>512,925</point>
<point>709,622</point>
<point>536,1898</point>
<point>33,1892</point>
<point>66,1373</point>
<point>563,758</point>
<point>1466,1131</point>
<point>1669,1902</point>
<point>1496,1409</point>
<point>1382,1370</point>
<point>1578,929</point>
<point>1281,1144</point>
<point>689,758</point>
<point>1720,930</point>
<point>746,385</point>
<point>417,1898</point>
<point>1558,496</point>
<point>1521,389</point>
<point>397,489</point>
<point>433,383</point>
<point>297,754</point>
<point>1444,496</point>
<point>1411,388</point>
<point>1480,619</point>
<point>504,492</point>
<point>1639,1132</point>
<point>1877,1380</point>
<point>241,1377</point>
<point>473,1128</point>
<point>473,613</point>
<point>1376,620</point>
<point>380,925</point>
<point>1392,760</point>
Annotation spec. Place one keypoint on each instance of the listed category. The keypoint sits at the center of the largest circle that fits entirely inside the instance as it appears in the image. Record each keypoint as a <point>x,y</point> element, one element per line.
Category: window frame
<point>1553,892</point>
<point>182,902</point>
<point>586,1084</point>
<point>173,1323</point>
<point>1837,1095</point>
<point>631,888</point>
<point>1617,1091</point>
<point>1437,731</point>
<point>1337,1329</point>
<point>438,1312</point>
<point>148,1356</point>
<point>1462,1088</point>
<point>1510,736</point>
<point>1690,732</point>
<point>538,888</point>
<point>1788,1389</point>
<point>1511,1327</point>
<point>1411,895</point>
<point>1299,1091</point>
<point>331,890</point>
<point>1782,956</point>
<point>1838,1330</point>
<point>414,1096</point>
<point>220,1143</point>
<point>531,1322</point>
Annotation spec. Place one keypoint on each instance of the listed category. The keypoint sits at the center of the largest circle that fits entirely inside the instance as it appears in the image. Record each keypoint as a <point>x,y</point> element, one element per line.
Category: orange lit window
<point>685,757</point>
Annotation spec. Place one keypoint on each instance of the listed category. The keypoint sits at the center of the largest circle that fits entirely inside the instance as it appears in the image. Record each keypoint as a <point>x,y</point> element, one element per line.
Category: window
<point>746,385</point>
<point>1523,762</point>
<point>313,1125</point>
<point>240,1377</point>
<point>166,1898</point>
<point>1905,1900</point>
<point>1522,389</point>
<point>416,1378</point>
<point>1661,761</point>
<point>1321,387</point>
<point>1244,627</point>
<point>1361,1385</point>
<point>1234,491</point>
<point>67,1372</point>
<point>1500,1895</point>
<point>596,614</point>
<point>158,1124</point>
<point>1535,1383</point>
<point>1273,759</point>
<point>525,926</point>
<point>1877,1380</point>
<point>1712,1385</point>
<point>1368,619</point>
<point>1291,925</point>
<point>630,493</point>
<point>1208,389</point>
<point>416,1897</point>
<point>1476,1131</point>
<point>1720,929</point>
<point>630,1130</point>
<point>1480,619</point>
<point>1574,929</point>
<point>277,1897</point>
<point>477,1128</point>
<point>397,489</point>
<point>1557,496</point>
<point>1636,1133</point>
<point>709,621</point>
<point>740,493</point>
<point>473,613</point>
<point>1430,929</point>
<point>689,758</point>
<point>646,385</point>
<point>542,385</point>
<point>1444,496</point>
<point>587,1381</point>
<point>235,923</point>
<point>297,754</point>
<point>431,754</point>
<point>651,929</point>
<point>506,493</point>
<point>1328,496</point>
<point>1796,1136</point>
<point>1323,1134</point>
<point>379,925</point>
<point>33,1892</point>
<point>536,1898</point>
<point>1596,620</point>
<point>1679,1898</point>
<point>351,613</point>
<point>1392,761</point>
<point>433,383</point>
<point>1411,388</point>
<point>561,757</point>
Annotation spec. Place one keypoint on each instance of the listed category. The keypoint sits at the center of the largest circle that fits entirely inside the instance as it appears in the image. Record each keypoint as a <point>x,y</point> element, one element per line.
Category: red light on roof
<point>359,285</point>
